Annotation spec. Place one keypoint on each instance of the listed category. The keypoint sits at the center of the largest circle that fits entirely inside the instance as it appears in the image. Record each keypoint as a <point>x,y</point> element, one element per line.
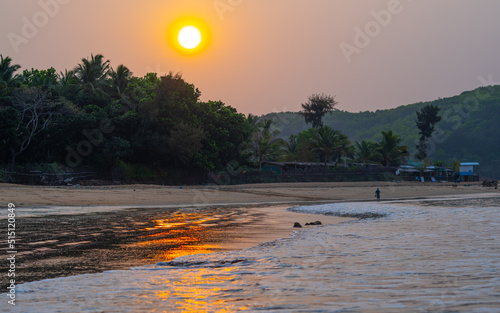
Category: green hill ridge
<point>468,131</point>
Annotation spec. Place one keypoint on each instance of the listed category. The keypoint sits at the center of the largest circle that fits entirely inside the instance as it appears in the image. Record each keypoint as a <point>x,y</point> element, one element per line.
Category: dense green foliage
<point>468,130</point>
<point>106,120</point>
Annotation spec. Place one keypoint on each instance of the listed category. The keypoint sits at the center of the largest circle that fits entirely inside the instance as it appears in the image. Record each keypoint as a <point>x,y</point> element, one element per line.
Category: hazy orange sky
<point>270,55</point>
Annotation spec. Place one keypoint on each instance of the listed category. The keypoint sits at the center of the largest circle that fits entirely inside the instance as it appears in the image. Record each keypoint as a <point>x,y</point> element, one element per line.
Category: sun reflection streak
<point>178,235</point>
<point>201,290</point>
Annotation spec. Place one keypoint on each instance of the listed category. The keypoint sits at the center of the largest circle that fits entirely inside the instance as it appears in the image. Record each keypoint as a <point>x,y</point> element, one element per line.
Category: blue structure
<point>469,171</point>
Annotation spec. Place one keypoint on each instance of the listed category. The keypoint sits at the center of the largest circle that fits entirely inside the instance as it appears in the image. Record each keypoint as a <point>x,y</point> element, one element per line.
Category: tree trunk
<point>13,159</point>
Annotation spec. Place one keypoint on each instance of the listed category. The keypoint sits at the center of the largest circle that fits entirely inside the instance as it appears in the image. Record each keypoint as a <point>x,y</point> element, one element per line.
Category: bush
<point>51,168</point>
<point>133,171</point>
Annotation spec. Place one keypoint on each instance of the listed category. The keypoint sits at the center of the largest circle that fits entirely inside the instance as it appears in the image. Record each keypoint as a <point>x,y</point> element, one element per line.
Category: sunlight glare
<point>189,37</point>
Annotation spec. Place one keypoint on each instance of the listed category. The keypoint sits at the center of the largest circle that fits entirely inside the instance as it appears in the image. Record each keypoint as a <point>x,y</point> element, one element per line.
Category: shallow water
<point>420,257</point>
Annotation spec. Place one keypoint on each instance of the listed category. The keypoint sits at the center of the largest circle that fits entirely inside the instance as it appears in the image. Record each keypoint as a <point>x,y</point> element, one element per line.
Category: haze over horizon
<point>270,56</point>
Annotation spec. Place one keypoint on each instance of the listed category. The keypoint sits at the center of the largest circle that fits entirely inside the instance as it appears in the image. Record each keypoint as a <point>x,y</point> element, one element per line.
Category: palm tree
<point>330,143</point>
<point>343,147</point>
<point>67,78</point>
<point>323,141</point>
<point>120,78</point>
<point>265,146</point>
<point>364,151</point>
<point>389,149</point>
<point>8,79</point>
<point>253,121</point>
<point>92,72</point>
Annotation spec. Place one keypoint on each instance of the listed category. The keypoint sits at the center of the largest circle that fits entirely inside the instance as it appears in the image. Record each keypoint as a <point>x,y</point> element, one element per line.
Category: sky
<point>271,55</point>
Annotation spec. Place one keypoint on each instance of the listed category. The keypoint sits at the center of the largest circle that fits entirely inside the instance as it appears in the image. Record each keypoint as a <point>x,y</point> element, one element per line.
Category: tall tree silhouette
<point>317,106</point>
<point>427,119</point>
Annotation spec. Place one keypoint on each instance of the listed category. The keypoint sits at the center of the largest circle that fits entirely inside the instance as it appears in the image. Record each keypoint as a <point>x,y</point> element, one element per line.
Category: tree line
<point>324,144</point>
<point>107,120</point>
<point>103,118</point>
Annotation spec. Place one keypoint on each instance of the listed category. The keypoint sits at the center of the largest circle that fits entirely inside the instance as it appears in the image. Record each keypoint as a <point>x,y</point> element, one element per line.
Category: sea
<point>435,255</point>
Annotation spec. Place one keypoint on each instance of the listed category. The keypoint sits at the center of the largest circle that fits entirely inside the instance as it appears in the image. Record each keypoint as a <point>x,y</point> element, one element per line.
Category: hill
<point>469,129</point>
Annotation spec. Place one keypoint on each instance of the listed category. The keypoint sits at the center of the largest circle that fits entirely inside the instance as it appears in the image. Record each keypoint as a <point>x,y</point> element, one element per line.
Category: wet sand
<point>211,219</point>
<point>52,246</point>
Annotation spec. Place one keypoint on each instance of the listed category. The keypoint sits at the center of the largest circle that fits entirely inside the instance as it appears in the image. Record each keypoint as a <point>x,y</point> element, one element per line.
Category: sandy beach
<point>244,195</point>
<point>145,224</point>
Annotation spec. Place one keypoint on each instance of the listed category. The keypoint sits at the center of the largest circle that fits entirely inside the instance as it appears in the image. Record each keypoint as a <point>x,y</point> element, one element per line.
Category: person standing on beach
<point>377,194</point>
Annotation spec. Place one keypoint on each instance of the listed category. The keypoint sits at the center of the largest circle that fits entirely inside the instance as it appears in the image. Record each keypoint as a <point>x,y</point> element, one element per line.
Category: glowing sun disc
<point>189,37</point>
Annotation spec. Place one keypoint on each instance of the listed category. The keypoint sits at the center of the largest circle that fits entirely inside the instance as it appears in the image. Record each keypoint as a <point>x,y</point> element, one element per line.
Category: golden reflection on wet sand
<point>196,291</point>
<point>182,235</point>
<point>178,235</point>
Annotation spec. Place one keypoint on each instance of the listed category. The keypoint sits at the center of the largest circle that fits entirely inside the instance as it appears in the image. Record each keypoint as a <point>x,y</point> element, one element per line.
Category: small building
<point>273,167</point>
<point>469,171</point>
<point>415,171</point>
<point>411,172</point>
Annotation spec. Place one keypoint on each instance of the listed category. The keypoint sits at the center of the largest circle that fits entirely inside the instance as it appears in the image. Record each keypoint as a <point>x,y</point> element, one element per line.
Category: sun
<point>189,37</point>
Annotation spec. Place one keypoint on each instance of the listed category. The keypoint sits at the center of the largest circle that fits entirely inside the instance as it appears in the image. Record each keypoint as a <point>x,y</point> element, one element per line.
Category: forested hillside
<point>469,129</point>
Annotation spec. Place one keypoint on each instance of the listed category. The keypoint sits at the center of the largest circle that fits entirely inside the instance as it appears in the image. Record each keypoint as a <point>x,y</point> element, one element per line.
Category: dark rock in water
<point>297,224</point>
<point>313,223</point>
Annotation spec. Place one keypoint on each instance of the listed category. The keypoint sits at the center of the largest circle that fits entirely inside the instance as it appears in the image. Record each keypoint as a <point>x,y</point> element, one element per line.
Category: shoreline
<point>85,238</point>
